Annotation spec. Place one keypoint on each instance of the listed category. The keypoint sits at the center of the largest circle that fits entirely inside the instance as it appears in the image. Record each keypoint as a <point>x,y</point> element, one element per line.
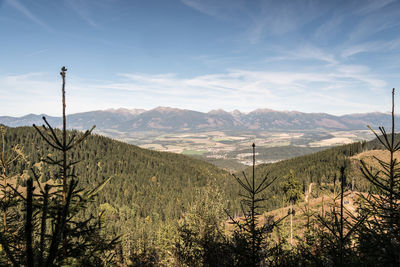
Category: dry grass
<point>22,189</point>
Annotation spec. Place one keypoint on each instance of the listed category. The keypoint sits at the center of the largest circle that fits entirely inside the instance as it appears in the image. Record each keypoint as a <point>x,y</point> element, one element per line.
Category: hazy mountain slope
<point>174,120</point>
<point>28,120</point>
<point>164,119</point>
<point>274,120</point>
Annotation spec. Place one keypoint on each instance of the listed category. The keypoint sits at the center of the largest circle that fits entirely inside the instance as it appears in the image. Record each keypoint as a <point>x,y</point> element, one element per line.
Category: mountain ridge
<point>179,120</point>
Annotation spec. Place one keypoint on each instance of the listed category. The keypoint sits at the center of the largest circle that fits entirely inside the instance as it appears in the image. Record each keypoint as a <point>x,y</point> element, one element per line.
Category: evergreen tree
<point>292,189</point>
<point>56,230</point>
<point>11,230</point>
<point>380,234</point>
<point>335,237</point>
<point>250,240</point>
<point>202,240</point>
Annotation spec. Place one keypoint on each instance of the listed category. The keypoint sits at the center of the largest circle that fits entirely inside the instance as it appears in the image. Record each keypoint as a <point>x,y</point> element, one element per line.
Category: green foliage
<point>201,240</point>
<point>250,240</point>
<point>292,188</point>
<point>132,191</point>
<point>55,228</point>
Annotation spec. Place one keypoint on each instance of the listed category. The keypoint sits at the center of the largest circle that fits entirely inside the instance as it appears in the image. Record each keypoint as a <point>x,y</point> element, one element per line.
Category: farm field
<point>225,148</point>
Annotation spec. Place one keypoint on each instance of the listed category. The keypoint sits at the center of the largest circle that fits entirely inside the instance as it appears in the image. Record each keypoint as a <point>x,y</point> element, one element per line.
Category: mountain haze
<point>168,119</point>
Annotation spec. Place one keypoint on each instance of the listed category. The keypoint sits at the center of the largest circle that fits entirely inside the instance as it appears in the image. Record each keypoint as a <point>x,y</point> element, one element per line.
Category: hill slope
<point>154,182</point>
<point>320,168</point>
<point>150,183</point>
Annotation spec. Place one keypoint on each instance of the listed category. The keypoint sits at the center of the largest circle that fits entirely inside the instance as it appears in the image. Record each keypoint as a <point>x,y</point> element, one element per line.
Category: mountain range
<point>166,119</point>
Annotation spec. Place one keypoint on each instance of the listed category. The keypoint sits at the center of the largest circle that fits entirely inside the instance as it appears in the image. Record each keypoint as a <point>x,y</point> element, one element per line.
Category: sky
<point>337,57</point>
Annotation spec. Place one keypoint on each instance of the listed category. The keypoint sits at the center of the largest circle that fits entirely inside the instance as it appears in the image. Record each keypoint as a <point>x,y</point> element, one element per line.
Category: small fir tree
<point>250,240</point>
<point>56,229</point>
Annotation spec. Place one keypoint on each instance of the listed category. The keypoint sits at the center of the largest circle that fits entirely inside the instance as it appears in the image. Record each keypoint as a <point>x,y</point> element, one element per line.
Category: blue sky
<point>313,56</point>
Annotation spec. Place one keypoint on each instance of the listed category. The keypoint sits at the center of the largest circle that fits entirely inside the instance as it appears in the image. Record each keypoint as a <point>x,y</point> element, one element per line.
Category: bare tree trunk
<point>291,223</point>
<point>4,165</point>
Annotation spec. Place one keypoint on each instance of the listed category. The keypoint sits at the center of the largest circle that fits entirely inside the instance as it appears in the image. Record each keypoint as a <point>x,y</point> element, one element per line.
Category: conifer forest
<point>72,198</point>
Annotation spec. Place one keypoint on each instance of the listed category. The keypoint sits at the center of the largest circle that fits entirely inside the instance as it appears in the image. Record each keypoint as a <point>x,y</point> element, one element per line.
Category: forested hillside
<point>320,167</point>
<point>151,182</point>
<point>155,182</point>
<point>150,191</point>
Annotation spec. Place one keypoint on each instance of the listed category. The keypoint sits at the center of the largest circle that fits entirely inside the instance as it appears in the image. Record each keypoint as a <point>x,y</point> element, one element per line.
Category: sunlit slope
<point>320,168</point>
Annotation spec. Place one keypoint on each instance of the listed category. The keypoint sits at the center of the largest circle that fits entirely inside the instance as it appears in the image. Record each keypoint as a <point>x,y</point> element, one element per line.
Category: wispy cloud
<point>210,10</point>
<point>329,28</point>
<point>374,5</point>
<point>310,52</point>
<point>372,46</point>
<point>278,18</point>
<point>27,13</point>
<point>38,52</point>
<point>234,89</point>
<point>81,8</point>
<point>218,9</point>
<point>247,90</point>
<point>22,94</point>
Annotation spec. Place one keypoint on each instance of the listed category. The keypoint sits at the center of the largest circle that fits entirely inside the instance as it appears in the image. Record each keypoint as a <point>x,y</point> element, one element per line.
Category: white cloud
<point>335,88</point>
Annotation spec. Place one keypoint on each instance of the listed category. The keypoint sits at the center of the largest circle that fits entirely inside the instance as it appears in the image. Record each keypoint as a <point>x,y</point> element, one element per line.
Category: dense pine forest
<point>70,198</point>
<point>150,195</point>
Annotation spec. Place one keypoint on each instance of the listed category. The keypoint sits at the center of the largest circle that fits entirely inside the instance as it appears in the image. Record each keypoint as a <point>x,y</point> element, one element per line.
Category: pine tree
<point>11,231</point>
<point>250,240</point>
<point>56,229</point>
<point>292,190</point>
<point>335,236</point>
<point>380,234</point>
<point>201,240</point>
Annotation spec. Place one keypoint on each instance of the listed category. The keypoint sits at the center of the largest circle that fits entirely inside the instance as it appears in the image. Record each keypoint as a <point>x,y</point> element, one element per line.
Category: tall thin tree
<point>250,239</point>
<point>382,204</point>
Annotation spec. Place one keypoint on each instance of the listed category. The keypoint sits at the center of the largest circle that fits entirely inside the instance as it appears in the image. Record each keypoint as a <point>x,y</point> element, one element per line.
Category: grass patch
<point>219,139</point>
<point>193,152</point>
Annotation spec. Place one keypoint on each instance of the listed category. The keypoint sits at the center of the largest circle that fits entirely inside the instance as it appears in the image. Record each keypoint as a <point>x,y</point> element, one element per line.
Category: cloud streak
<point>81,9</point>
<point>27,13</point>
<point>328,91</point>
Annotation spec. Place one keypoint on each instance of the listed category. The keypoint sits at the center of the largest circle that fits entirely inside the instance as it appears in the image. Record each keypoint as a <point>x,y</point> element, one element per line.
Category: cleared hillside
<point>320,168</point>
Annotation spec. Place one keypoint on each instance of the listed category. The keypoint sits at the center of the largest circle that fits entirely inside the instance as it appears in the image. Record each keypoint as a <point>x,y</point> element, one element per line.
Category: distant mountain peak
<point>174,119</point>
<point>133,111</point>
<point>262,110</point>
<point>167,109</point>
<point>217,112</point>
